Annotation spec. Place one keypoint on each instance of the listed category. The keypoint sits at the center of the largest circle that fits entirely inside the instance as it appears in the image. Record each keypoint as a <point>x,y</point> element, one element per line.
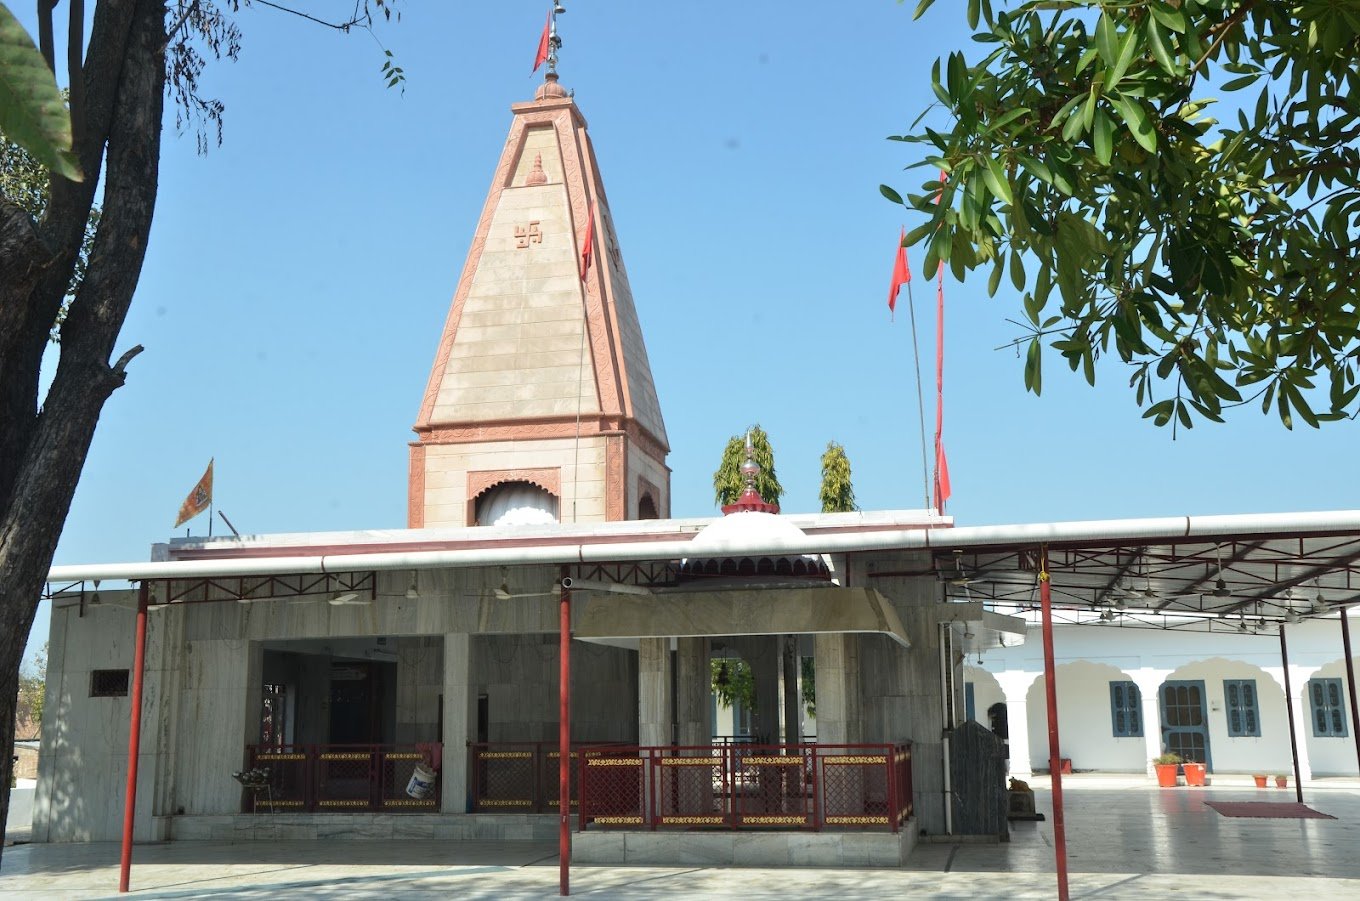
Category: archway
<point>1093,736</point>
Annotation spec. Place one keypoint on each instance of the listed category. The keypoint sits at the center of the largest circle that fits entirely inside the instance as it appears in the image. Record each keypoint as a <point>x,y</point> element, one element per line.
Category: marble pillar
<point>654,692</point>
<point>837,668</point>
<point>693,708</point>
<point>460,722</point>
<point>1015,687</point>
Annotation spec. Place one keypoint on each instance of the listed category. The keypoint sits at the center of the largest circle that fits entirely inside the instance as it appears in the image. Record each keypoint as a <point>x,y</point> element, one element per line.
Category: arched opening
<point>516,504</point>
<point>647,508</point>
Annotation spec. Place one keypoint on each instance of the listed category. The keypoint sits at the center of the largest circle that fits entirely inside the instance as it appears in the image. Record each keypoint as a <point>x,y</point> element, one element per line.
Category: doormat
<point>1274,810</point>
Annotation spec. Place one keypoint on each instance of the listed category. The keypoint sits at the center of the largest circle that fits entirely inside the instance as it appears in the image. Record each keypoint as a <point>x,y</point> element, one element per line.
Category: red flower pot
<point>1281,781</point>
<point>1260,781</point>
<point>1194,773</point>
<point>1166,774</point>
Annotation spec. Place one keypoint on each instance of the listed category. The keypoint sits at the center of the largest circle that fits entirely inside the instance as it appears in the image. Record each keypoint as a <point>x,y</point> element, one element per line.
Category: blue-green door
<point>1185,725</point>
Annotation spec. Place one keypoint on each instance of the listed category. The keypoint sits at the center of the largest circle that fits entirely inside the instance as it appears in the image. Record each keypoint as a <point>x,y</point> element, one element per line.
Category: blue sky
<point>298,277</point>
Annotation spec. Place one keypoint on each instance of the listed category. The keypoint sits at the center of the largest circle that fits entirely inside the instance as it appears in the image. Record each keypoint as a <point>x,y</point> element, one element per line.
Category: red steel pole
<point>134,739</point>
<point>1289,706</point>
<point>1350,678</point>
<point>564,745</point>
<point>1051,695</point>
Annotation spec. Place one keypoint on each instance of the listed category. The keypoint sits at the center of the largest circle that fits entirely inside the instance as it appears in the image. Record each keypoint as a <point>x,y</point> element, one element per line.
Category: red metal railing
<point>337,778</point>
<point>518,777</point>
<point>811,786</point>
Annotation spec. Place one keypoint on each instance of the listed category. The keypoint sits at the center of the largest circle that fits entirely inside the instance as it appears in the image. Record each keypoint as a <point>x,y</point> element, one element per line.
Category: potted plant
<point>1260,779</point>
<point>1281,781</point>
<point>1166,765</point>
<point>1194,772</point>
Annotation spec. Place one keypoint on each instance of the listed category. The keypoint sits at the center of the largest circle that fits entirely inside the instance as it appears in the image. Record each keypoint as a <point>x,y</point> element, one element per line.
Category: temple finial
<point>554,42</point>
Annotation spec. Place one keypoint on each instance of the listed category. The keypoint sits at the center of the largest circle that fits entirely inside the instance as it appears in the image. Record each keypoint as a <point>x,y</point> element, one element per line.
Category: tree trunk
<point>43,449</point>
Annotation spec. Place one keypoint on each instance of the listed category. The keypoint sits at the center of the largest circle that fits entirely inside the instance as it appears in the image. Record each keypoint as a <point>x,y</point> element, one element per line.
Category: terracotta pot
<point>1194,773</point>
<point>1281,781</point>
<point>1166,774</point>
<point>1260,781</point>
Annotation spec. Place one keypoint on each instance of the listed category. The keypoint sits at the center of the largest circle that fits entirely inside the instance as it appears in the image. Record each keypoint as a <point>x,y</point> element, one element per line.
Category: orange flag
<point>542,56</point>
<point>901,272</point>
<point>198,500</point>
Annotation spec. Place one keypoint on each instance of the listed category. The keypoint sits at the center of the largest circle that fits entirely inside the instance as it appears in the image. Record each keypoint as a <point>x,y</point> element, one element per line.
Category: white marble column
<point>837,671</point>
<point>1149,684</point>
<point>1015,686</point>
<point>693,706</point>
<point>460,722</point>
<point>654,692</point>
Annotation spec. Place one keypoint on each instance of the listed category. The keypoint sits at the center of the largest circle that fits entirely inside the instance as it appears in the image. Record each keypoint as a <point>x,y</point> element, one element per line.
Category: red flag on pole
<point>901,272</point>
<point>942,487</point>
<point>542,56</point>
<point>590,240</point>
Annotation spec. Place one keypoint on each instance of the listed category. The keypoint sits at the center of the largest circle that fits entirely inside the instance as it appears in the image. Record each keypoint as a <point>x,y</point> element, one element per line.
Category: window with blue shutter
<point>1126,713</point>
<point>1325,699</point>
<point>1244,719</point>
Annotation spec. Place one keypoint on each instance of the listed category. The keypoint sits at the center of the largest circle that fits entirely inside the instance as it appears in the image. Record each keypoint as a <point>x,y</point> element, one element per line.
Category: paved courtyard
<point>1127,839</point>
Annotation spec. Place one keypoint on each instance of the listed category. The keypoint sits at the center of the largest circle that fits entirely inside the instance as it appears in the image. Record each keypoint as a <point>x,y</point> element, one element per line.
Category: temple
<point>543,626</point>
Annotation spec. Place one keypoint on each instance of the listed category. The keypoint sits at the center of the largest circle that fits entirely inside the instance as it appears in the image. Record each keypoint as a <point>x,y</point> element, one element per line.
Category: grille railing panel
<point>747,786</point>
<point>337,778</point>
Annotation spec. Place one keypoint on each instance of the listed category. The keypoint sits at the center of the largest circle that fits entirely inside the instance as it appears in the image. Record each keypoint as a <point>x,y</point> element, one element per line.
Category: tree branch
<point>75,61</point>
<point>1228,25</point>
<point>45,42</point>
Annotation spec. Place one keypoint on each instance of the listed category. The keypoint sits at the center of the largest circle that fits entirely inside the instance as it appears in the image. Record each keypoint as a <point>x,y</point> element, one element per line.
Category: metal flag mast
<point>554,42</point>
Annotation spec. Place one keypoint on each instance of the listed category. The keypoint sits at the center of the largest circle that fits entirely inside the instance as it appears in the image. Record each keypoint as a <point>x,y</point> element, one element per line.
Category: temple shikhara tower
<point>540,405</point>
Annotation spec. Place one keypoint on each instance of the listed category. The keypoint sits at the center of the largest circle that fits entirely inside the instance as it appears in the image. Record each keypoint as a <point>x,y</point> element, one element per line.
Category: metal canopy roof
<point>1239,572</point>
<point>1233,582</point>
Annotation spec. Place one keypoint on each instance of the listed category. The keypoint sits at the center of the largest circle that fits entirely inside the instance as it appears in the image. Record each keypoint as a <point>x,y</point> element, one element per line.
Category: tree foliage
<point>728,483</point>
<point>121,64</point>
<point>837,494</point>
<point>32,698</point>
<point>733,683</point>
<point>1215,256</point>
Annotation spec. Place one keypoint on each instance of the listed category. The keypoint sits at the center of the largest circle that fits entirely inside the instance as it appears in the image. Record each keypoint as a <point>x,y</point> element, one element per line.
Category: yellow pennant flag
<point>198,500</point>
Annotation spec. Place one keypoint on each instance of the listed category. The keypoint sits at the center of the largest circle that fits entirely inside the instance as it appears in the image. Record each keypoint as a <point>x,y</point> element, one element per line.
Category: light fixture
<point>558,9</point>
<point>1319,603</point>
<point>413,590</point>
<point>1221,588</point>
<point>968,634</point>
<point>347,598</point>
<point>613,587</point>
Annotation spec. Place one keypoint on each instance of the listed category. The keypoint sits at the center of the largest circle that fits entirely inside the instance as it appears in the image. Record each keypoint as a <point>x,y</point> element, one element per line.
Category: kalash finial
<point>554,42</point>
<point>750,500</point>
<point>548,46</point>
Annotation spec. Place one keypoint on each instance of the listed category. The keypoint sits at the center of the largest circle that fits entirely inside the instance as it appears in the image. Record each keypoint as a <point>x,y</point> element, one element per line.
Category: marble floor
<point>1126,839</point>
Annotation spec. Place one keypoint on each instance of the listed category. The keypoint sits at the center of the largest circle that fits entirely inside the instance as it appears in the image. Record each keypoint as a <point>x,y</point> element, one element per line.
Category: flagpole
<point>920,397</point>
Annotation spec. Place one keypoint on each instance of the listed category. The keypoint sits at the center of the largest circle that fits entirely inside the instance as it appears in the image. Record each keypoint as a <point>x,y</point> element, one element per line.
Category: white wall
<point>1089,657</point>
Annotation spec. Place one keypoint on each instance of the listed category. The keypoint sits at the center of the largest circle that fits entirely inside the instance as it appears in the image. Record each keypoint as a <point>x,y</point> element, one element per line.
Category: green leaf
<point>890,194</point>
<point>1034,375</point>
<point>32,113</point>
<point>1103,134</point>
<point>1136,118</point>
<point>995,177</point>
<point>1159,49</point>
<point>1168,16</point>
<point>922,7</point>
<point>1127,51</point>
<point>1017,271</point>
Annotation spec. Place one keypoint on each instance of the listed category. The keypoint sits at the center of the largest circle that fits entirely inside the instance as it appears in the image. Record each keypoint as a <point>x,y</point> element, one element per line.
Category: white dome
<point>741,530</point>
<point>722,549</point>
